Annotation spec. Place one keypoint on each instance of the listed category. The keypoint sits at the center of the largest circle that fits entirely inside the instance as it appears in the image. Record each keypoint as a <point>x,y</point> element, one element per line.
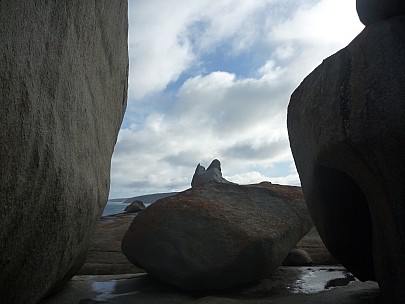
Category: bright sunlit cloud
<point>213,80</point>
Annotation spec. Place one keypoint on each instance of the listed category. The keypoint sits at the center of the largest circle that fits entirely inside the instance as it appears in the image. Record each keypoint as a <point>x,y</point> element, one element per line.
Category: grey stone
<point>371,11</point>
<point>288,285</point>
<point>212,175</point>
<point>63,90</point>
<point>346,127</point>
<point>218,235</point>
<point>135,206</point>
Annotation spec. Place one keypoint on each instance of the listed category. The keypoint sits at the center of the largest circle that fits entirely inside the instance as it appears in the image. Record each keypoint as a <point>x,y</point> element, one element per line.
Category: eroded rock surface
<point>63,90</point>
<point>218,235</point>
<point>346,127</point>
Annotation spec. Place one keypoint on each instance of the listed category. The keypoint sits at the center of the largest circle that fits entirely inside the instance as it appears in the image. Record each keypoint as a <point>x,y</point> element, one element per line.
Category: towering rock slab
<point>347,134</point>
<point>63,90</point>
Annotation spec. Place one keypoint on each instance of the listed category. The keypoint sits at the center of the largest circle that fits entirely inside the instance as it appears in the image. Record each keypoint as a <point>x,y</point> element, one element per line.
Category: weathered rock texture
<point>371,11</point>
<point>213,174</point>
<point>63,89</point>
<point>106,258</point>
<point>217,236</point>
<point>346,126</point>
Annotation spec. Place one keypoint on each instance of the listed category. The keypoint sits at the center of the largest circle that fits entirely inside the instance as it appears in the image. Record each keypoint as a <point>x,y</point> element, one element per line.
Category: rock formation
<point>63,90</point>
<point>371,11</point>
<point>135,206</point>
<point>212,174</point>
<point>346,127</point>
<point>218,235</point>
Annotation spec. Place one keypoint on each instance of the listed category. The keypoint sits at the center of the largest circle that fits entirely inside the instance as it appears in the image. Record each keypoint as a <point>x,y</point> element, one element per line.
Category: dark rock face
<point>63,89</point>
<point>371,11</point>
<point>212,174</point>
<point>346,127</point>
<point>219,235</point>
<point>135,206</point>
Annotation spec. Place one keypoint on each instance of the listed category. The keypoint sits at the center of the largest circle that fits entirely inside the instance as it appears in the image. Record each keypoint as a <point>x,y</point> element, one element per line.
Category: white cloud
<point>255,177</point>
<point>239,119</point>
<point>165,37</point>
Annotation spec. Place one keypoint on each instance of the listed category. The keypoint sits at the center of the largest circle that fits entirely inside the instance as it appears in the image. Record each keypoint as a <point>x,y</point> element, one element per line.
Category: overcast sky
<point>212,79</point>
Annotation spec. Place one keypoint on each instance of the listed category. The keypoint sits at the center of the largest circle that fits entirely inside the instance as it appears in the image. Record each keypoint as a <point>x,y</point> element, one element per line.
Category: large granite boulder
<point>63,89</point>
<point>347,134</point>
<point>212,174</point>
<point>218,235</point>
<point>371,11</point>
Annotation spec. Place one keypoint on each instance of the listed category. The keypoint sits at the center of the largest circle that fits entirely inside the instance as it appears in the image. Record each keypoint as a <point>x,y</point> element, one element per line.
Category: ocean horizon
<point>117,205</point>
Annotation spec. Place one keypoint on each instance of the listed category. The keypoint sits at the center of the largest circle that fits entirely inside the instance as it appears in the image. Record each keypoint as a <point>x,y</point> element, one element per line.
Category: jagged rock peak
<point>212,174</point>
<point>215,164</point>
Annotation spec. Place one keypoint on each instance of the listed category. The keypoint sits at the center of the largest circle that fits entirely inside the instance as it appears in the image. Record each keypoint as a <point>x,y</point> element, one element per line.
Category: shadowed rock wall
<point>63,91</point>
<point>346,127</point>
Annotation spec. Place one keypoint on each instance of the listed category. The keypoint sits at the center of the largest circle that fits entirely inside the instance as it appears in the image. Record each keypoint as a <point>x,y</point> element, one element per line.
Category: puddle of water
<point>109,289</point>
<point>317,280</point>
<point>104,289</point>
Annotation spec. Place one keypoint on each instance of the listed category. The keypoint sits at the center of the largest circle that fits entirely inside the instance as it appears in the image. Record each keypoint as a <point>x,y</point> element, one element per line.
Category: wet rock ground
<point>108,277</point>
<point>288,285</point>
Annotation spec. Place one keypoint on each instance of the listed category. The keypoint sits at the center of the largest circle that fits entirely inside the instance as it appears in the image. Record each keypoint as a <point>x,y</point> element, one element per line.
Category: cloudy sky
<point>212,79</point>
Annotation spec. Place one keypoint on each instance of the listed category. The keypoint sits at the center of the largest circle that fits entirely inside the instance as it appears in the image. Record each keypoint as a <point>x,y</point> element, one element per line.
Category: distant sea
<point>117,205</point>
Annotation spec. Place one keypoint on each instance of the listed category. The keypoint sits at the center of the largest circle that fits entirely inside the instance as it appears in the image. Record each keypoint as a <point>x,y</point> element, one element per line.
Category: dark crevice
<point>344,214</point>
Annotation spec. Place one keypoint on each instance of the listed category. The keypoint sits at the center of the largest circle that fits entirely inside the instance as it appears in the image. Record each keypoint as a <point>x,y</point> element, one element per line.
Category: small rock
<point>298,257</point>
<point>135,206</point>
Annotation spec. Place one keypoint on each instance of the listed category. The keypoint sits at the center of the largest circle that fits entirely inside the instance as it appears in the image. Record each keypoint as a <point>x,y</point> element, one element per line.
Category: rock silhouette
<point>212,174</point>
<point>371,11</point>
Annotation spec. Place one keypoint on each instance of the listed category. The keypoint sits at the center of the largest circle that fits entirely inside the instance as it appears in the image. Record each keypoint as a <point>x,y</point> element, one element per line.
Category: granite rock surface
<point>218,235</point>
<point>346,127</point>
<point>63,91</point>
